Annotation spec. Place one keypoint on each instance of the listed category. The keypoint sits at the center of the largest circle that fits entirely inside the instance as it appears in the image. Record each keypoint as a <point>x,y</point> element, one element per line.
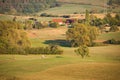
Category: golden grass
<point>80,71</point>
<point>48,33</point>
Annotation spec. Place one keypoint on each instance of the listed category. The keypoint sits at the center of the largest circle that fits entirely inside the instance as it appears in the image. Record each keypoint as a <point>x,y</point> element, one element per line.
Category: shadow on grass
<point>59,42</point>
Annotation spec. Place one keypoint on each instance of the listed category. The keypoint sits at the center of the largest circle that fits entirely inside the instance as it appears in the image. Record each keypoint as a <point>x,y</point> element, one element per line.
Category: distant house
<point>59,21</point>
<point>70,21</point>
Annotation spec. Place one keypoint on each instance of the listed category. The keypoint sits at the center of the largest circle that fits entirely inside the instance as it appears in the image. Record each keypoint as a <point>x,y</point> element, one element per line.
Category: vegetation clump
<point>51,49</point>
<point>112,41</point>
<point>81,34</point>
<point>114,29</point>
<point>13,40</point>
<point>83,51</point>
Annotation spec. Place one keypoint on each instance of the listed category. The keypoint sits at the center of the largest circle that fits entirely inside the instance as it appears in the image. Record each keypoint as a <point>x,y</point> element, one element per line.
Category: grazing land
<point>103,63</point>
<point>26,52</point>
<point>93,2</point>
<point>71,8</point>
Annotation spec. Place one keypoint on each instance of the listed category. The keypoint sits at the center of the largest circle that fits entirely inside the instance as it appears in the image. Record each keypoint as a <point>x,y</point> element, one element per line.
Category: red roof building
<point>59,21</point>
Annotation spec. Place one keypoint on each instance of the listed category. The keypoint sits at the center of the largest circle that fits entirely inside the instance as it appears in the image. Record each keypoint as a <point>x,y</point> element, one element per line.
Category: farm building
<point>59,21</point>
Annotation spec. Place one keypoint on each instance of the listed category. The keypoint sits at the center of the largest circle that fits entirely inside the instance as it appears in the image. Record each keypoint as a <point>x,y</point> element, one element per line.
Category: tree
<point>82,50</point>
<point>109,2</point>
<point>87,17</point>
<point>11,38</point>
<point>81,34</point>
<point>117,17</point>
<point>110,20</point>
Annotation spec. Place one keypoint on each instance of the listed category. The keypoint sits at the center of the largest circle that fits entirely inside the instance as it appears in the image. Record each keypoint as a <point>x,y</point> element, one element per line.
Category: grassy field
<point>71,8</point>
<point>103,63</point>
<point>5,17</point>
<point>93,2</point>
<point>110,35</point>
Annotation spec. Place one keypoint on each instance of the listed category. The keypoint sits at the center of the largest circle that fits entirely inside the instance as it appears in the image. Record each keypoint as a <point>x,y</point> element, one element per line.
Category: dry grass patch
<point>82,71</point>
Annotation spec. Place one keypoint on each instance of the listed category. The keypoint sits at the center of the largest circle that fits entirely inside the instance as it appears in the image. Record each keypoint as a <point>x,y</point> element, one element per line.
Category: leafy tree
<point>117,17</point>
<point>110,20</point>
<point>81,34</point>
<point>11,37</point>
<point>82,50</point>
<point>109,2</point>
<point>87,17</point>
<point>93,33</point>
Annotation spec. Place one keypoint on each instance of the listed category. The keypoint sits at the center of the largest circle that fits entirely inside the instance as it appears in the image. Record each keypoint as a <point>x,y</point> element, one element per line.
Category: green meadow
<point>103,63</point>
<point>71,8</point>
<point>92,2</point>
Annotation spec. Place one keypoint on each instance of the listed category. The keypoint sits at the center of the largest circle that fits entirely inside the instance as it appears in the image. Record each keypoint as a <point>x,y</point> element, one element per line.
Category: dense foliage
<point>112,41</point>
<point>53,25</point>
<point>26,6</point>
<point>11,37</point>
<point>81,34</point>
<point>111,2</point>
<point>51,49</point>
<point>82,50</point>
<point>13,40</point>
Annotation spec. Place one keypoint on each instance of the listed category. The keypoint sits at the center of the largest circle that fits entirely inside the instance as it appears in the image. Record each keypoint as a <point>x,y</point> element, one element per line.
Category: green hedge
<point>51,49</point>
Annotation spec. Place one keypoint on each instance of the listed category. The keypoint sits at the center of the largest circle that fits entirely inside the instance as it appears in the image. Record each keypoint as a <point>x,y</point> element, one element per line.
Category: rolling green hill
<point>92,2</point>
<point>71,8</point>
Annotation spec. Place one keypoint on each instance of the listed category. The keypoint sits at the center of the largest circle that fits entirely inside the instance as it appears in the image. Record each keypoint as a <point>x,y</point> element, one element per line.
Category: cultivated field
<point>103,63</point>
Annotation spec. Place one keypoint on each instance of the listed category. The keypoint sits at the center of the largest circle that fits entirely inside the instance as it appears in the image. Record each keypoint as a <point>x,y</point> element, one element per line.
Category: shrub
<point>53,25</point>
<point>112,41</point>
<point>114,28</point>
<point>99,44</point>
<point>51,49</point>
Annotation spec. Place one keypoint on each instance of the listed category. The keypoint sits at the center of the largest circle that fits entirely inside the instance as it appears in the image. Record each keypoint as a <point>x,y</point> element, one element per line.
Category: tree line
<point>26,7</point>
<point>13,40</point>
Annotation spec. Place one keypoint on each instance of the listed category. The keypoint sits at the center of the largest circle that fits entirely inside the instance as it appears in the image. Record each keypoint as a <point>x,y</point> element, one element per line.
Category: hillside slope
<point>92,2</point>
<point>25,6</point>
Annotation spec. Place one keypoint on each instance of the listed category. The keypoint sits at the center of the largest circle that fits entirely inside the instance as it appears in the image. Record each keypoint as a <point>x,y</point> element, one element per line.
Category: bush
<point>98,44</point>
<point>51,49</point>
<point>112,41</point>
<point>54,25</point>
<point>114,28</point>
<point>83,51</point>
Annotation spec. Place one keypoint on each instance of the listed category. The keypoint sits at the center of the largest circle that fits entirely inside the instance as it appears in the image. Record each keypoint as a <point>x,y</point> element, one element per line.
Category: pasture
<point>103,63</point>
<point>71,8</point>
<point>92,2</point>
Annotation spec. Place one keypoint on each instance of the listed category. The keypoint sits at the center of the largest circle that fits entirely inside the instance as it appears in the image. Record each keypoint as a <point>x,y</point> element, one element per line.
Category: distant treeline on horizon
<point>26,6</point>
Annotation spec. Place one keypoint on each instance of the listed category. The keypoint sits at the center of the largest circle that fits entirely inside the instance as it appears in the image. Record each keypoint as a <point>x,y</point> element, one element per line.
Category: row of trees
<point>83,33</point>
<point>108,19</point>
<point>112,2</point>
<point>82,36</point>
<point>13,40</point>
<point>11,37</point>
<point>27,7</point>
